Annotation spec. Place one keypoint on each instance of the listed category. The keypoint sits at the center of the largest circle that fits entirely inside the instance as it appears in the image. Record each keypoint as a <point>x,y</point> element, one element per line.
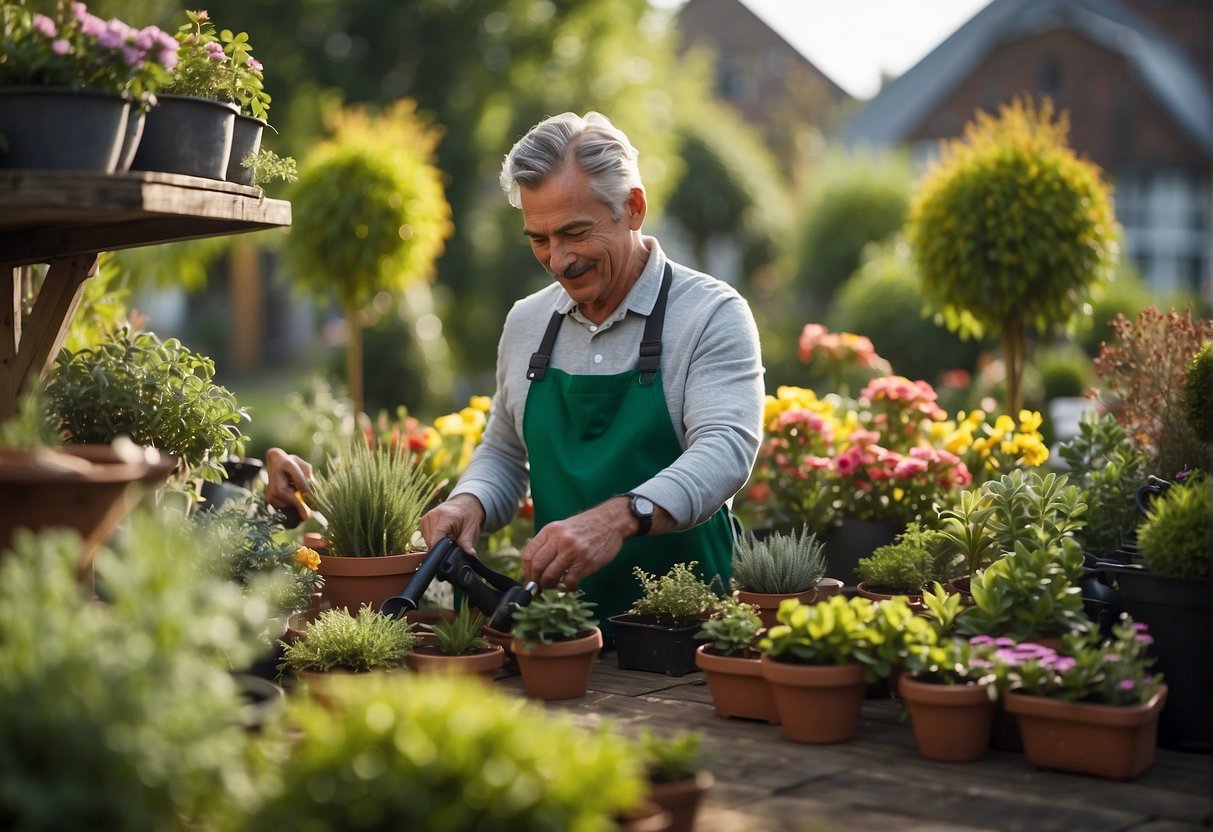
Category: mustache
<point>575,270</point>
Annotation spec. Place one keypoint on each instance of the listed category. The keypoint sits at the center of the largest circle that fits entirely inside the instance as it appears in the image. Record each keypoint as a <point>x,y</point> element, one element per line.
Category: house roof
<point>1161,64</point>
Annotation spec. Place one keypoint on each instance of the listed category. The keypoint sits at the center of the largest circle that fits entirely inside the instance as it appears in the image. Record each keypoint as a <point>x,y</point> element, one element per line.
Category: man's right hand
<point>288,477</point>
<point>461,518</point>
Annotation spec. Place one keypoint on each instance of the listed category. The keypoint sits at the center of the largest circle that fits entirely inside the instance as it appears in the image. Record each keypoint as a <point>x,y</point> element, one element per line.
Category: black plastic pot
<point>642,644</point>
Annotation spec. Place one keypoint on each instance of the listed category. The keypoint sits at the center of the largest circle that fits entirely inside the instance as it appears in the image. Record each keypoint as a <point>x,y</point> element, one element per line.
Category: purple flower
<point>1143,638</point>
<point>1062,663</point>
<point>45,26</point>
<point>975,640</point>
<point>133,55</point>
<point>94,27</point>
<point>79,10</point>
<point>60,47</point>
<point>1111,657</point>
<point>1126,684</point>
<point>214,51</point>
<point>254,65</point>
<point>1003,641</point>
<point>109,39</point>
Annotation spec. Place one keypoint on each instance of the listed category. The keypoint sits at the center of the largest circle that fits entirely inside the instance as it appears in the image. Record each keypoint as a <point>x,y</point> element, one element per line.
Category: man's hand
<point>568,551</point>
<point>461,517</point>
<point>288,477</point>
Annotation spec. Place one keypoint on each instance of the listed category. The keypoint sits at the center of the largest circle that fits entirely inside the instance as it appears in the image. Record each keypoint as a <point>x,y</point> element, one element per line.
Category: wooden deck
<point>876,781</point>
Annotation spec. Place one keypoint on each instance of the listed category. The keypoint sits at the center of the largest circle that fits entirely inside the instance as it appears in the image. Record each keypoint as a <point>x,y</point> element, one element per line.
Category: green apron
<point>590,438</point>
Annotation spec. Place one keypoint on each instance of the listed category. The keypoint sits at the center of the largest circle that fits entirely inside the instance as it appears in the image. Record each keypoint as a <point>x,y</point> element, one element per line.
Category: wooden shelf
<point>67,218</point>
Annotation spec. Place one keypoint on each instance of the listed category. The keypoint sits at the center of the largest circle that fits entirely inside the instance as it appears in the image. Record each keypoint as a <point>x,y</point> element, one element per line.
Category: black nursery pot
<point>642,644</point>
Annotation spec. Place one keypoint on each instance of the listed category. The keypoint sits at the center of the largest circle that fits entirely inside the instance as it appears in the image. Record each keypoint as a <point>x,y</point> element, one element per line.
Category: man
<point>629,391</point>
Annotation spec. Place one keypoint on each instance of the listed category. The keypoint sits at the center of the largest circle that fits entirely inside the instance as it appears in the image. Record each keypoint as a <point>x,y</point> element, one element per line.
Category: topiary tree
<point>1010,229</point>
<point>369,214</point>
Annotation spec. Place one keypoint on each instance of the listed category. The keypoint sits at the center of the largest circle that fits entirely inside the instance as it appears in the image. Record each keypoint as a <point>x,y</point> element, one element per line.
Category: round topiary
<point>1010,229</point>
<point>1198,393</point>
<point>1174,538</point>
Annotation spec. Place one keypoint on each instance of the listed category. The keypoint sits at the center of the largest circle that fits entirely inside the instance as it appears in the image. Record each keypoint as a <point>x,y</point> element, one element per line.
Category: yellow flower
<point>309,559</point>
<point>481,403</point>
<point>1030,421</point>
<point>449,425</point>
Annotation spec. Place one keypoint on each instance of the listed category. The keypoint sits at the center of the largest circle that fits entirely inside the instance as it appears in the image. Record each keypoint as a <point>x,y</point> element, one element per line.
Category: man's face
<point>594,256</point>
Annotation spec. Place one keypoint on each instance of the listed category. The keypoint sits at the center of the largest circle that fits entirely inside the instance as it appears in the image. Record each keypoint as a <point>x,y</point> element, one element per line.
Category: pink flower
<point>254,65</point>
<point>214,51</point>
<point>45,26</point>
<point>61,47</point>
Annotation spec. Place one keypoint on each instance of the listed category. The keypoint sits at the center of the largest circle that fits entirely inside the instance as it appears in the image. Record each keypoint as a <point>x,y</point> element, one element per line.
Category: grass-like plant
<point>554,615</point>
<point>159,393</point>
<point>675,598</point>
<point>1175,537</point>
<point>462,634</point>
<point>373,499</point>
<point>732,629</point>
<point>918,557</point>
<point>779,563</point>
<point>358,643</point>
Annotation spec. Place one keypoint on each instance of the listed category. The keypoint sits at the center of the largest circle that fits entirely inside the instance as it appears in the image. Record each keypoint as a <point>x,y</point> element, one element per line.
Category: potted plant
<point>1172,596</point>
<point>818,660</point>
<point>429,751</point>
<point>730,662</point>
<point>677,777</point>
<point>914,560</point>
<point>341,644</point>
<point>1093,711</point>
<point>457,645</point>
<point>158,392</point>
<point>766,570</point>
<point>74,88</point>
<point>372,499</point>
<point>556,640</point>
<point>948,690</point>
<point>658,633</point>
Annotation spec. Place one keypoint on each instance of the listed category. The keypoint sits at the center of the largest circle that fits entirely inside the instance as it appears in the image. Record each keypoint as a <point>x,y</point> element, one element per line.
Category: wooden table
<point>66,219</point>
<point>876,781</point>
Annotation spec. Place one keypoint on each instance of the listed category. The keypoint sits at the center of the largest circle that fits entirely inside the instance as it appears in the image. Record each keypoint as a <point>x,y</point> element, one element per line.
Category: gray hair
<point>598,147</point>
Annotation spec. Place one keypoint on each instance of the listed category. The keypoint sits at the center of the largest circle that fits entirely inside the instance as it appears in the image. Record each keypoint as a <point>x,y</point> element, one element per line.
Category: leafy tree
<point>369,215</point>
<point>1010,229</point>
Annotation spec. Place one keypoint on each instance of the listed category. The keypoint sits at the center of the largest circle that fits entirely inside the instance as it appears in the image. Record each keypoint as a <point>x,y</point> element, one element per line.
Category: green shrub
<point>445,754</point>
<point>31,426</point>
<point>779,563</point>
<point>1175,537</point>
<point>1108,469</point>
<point>918,557</point>
<point>373,499</point>
<point>1198,393</point>
<point>1123,293</point>
<point>1065,370</point>
<point>358,643</point>
<point>883,300</point>
<point>675,598</point>
<point>673,758</point>
<point>554,615</point>
<point>123,715</point>
<point>159,393</point>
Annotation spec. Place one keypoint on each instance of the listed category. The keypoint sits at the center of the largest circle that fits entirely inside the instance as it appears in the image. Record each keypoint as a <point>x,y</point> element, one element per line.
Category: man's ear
<point>637,206</point>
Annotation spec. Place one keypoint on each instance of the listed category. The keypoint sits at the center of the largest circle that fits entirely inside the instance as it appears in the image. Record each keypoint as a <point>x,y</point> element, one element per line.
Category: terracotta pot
<point>427,659</point>
<point>81,487</point>
<point>352,582</point>
<point>768,603</point>
<point>500,638</point>
<point>737,686</point>
<point>817,703</point>
<point>322,685</point>
<point>915,599</point>
<point>681,799</point>
<point>1117,742</point>
<point>951,722</point>
<point>647,817</point>
<point>560,670</point>
<point>960,586</point>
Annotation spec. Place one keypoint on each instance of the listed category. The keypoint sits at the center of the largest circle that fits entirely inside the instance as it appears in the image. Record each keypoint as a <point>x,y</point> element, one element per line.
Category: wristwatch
<point>642,509</point>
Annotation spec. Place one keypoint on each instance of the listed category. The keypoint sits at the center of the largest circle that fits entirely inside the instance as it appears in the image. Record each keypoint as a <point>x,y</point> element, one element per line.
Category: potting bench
<point>66,219</point>
<point>877,780</point>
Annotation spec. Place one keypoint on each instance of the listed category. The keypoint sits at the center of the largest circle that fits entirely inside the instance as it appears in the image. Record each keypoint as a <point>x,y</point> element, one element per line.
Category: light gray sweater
<point>711,373</point>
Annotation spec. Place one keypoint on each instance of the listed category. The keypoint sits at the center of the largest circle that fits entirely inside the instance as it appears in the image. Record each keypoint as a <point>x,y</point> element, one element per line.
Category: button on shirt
<point>711,371</point>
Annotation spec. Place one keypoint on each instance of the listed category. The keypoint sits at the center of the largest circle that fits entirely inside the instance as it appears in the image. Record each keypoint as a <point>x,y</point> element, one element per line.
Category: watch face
<point>642,505</point>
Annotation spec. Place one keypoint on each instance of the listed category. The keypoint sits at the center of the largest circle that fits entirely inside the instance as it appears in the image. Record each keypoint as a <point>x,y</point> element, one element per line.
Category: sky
<point>854,41</point>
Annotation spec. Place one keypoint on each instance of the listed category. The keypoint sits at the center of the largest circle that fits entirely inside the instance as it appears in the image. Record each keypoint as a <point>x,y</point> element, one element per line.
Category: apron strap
<point>540,358</point>
<point>650,344</point>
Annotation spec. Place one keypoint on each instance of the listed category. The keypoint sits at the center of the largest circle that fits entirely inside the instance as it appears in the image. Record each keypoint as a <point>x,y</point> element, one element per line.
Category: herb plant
<point>358,643</point>
<point>732,629</point>
<point>462,634</point>
<point>1175,539</point>
<point>671,759</point>
<point>1108,468</point>
<point>780,563</point>
<point>675,598</point>
<point>159,393</point>
<point>373,499</point>
<point>268,166</point>
<point>31,426</point>
<point>554,615</point>
<point>918,557</point>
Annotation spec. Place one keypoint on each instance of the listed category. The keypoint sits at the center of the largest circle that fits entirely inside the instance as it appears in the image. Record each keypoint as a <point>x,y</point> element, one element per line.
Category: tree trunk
<point>353,354</point>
